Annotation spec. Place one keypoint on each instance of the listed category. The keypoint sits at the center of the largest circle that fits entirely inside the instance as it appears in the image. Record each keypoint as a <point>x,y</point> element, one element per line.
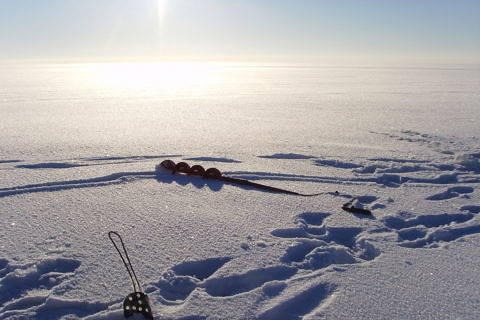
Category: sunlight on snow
<point>138,75</point>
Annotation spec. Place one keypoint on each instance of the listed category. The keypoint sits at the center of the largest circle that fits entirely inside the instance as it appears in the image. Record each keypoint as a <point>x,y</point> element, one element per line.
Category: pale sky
<point>343,30</point>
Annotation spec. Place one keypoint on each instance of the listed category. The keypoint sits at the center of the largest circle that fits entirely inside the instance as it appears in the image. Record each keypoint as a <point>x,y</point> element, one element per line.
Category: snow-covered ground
<point>78,150</point>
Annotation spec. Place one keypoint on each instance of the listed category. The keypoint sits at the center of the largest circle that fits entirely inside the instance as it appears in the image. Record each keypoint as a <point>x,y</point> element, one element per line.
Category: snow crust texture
<point>296,278</point>
<point>208,249</point>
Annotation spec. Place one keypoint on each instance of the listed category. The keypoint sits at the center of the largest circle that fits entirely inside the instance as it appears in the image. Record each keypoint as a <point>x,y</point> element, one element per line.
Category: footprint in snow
<point>16,281</point>
<point>451,193</point>
<point>427,231</point>
<point>180,281</point>
<point>472,209</point>
<point>319,246</point>
<point>248,281</point>
<point>176,284</point>
<point>297,305</point>
<point>32,286</point>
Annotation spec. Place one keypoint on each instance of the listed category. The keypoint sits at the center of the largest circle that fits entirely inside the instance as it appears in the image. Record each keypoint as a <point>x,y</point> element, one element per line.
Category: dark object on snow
<point>214,173</point>
<point>349,207</point>
<point>137,301</point>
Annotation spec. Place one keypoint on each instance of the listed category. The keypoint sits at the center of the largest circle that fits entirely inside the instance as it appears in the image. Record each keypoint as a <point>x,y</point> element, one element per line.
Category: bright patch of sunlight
<point>161,11</point>
<point>152,75</point>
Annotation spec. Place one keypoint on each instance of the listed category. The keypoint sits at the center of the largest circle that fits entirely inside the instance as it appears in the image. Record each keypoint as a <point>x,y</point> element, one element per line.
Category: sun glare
<point>161,11</point>
<point>171,76</point>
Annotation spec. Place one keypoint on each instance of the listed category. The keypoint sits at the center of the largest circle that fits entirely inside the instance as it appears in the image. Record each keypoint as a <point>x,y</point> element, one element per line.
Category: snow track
<point>78,161</point>
<point>314,244</point>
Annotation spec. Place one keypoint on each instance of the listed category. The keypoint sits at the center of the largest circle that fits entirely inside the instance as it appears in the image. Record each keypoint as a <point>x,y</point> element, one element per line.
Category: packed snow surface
<point>79,144</point>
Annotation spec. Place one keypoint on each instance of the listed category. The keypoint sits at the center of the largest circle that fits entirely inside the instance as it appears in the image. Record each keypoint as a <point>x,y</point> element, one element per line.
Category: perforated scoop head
<point>137,302</point>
